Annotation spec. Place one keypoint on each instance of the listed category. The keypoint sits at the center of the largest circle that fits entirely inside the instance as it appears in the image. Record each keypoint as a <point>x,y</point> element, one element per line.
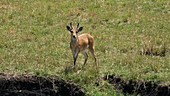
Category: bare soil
<point>140,88</point>
<point>26,85</point>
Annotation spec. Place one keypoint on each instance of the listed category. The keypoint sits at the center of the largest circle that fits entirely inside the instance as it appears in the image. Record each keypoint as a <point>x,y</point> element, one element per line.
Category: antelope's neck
<point>74,42</point>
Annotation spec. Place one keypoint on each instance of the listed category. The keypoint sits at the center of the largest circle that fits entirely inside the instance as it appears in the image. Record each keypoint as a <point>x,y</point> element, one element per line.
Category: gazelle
<point>80,43</point>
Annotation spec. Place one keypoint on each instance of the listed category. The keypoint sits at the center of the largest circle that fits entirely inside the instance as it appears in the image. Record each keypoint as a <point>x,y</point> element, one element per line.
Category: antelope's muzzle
<point>74,36</point>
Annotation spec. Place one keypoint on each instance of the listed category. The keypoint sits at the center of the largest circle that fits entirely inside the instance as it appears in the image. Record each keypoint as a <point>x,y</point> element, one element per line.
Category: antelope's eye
<point>71,31</point>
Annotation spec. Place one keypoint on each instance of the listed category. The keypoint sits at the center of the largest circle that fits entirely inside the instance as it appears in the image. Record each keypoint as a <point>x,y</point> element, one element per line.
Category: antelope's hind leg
<point>86,57</point>
<point>94,56</point>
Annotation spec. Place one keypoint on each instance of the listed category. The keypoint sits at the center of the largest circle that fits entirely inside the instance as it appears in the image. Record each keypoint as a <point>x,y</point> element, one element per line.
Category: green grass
<point>34,39</point>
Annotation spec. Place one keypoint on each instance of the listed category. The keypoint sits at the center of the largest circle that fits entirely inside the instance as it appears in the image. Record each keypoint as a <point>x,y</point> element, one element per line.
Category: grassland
<point>34,39</point>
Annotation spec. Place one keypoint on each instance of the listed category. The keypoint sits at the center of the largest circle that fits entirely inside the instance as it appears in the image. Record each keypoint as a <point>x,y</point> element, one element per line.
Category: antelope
<point>80,43</point>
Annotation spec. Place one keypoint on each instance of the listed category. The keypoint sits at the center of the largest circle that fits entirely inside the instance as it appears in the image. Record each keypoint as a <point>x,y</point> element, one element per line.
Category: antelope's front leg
<point>75,55</point>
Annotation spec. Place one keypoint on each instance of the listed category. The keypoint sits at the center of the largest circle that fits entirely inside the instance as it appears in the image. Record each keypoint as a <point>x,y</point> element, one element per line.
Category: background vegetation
<point>34,39</point>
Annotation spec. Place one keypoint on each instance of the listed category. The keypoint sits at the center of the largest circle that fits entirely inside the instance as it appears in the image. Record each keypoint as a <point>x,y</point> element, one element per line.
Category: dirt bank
<point>26,85</point>
<point>141,88</point>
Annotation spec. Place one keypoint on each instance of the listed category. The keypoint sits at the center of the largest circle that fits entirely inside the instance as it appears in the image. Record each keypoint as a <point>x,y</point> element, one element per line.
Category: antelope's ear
<point>80,29</point>
<point>68,28</point>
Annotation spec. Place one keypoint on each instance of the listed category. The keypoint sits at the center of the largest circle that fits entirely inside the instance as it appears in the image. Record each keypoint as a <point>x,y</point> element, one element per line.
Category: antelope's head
<point>74,30</point>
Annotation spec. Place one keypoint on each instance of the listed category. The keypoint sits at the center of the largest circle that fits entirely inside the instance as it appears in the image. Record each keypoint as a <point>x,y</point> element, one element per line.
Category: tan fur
<point>81,43</point>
